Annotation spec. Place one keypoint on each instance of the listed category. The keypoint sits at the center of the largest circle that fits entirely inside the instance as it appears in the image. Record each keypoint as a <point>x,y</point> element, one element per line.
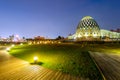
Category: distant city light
<point>12,45</point>
<point>45,42</point>
<point>21,43</point>
<point>59,42</point>
<point>29,43</point>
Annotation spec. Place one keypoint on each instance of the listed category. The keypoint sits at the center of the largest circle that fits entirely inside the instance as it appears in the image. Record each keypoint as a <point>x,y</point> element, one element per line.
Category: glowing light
<point>59,42</point>
<point>12,45</point>
<point>21,43</point>
<point>8,49</point>
<point>38,43</point>
<point>45,42</point>
<point>94,35</point>
<point>17,36</point>
<point>86,34</point>
<point>79,35</point>
<point>35,59</point>
<point>29,43</point>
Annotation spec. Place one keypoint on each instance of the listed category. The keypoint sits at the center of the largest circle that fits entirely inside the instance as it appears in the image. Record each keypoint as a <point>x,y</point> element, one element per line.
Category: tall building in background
<point>88,29</point>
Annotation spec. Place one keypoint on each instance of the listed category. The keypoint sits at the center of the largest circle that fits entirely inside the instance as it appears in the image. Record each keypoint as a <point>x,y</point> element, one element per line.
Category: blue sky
<point>51,18</point>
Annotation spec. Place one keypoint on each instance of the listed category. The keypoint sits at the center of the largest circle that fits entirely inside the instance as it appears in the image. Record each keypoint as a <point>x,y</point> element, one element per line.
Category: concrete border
<point>97,65</point>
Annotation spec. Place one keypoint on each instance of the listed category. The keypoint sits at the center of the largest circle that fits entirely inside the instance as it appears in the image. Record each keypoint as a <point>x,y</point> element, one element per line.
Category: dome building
<point>87,29</point>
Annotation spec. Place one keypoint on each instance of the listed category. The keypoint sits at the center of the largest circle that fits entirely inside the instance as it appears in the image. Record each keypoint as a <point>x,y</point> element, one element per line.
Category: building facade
<point>88,29</point>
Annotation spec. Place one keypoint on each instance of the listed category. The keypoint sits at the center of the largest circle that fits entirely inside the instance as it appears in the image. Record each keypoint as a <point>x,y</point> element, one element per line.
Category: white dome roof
<point>87,22</point>
<point>87,27</point>
<point>87,17</point>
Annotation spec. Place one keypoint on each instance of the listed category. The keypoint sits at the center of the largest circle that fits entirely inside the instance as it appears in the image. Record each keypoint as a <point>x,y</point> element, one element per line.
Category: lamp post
<point>8,49</point>
<point>35,59</point>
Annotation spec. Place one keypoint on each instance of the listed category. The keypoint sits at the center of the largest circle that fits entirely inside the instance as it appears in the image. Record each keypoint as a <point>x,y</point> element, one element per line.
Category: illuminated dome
<point>87,17</point>
<point>87,28</point>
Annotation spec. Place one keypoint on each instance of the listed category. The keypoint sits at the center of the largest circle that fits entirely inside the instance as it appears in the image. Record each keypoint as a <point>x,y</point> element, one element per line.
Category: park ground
<point>71,59</point>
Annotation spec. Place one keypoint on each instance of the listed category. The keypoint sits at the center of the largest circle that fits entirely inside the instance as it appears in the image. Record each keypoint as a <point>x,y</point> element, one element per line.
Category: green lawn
<point>68,58</point>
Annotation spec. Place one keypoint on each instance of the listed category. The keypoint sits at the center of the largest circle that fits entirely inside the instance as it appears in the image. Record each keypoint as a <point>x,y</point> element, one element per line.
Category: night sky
<point>51,18</point>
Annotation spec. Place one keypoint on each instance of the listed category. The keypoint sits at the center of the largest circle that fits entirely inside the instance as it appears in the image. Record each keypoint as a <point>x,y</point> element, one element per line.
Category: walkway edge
<point>97,65</point>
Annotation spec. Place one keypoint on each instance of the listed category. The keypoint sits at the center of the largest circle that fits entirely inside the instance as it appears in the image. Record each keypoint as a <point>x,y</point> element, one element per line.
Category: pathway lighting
<point>21,43</point>
<point>59,42</point>
<point>12,45</point>
<point>35,59</point>
<point>8,49</point>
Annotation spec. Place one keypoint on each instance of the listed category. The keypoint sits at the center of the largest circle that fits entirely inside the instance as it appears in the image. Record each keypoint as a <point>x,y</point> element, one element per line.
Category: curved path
<point>109,64</point>
<point>12,68</point>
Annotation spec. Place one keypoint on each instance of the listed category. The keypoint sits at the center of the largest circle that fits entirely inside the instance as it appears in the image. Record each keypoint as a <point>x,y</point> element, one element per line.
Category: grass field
<point>68,58</point>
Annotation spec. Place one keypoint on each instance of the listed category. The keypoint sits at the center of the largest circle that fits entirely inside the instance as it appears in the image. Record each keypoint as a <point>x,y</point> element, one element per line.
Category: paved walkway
<point>109,64</point>
<point>12,68</point>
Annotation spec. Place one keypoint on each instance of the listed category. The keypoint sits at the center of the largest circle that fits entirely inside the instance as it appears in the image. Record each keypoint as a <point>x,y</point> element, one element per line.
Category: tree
<point>59,38</point>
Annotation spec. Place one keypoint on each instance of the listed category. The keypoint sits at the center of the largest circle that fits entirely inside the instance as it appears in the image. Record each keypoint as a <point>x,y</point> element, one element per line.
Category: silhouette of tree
<point>59,38</point>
